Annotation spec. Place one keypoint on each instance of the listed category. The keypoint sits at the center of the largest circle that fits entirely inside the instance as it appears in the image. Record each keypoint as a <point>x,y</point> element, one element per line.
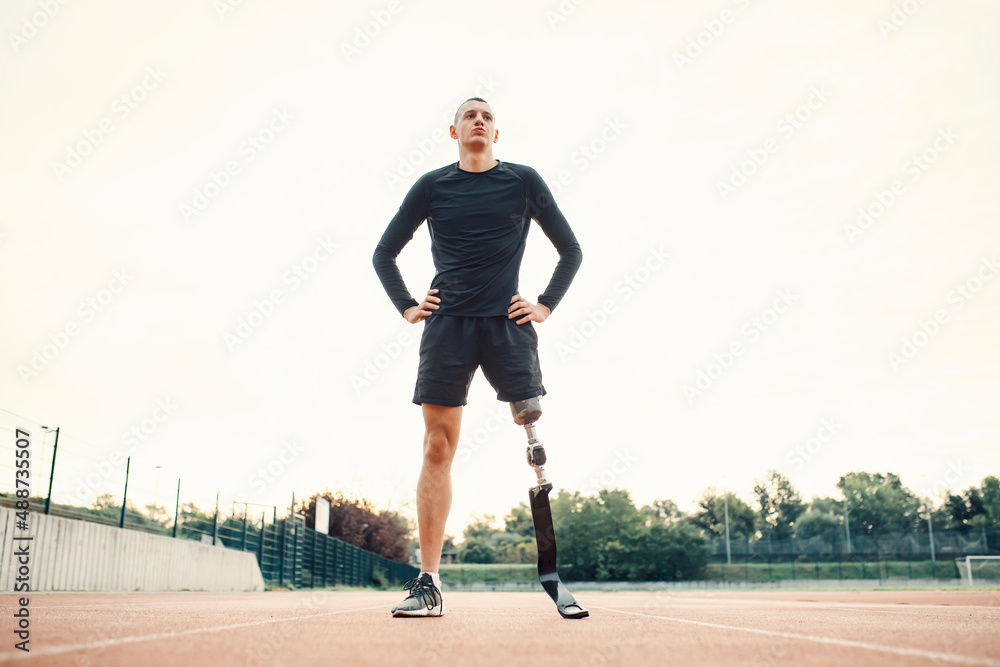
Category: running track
<point>752,629</point>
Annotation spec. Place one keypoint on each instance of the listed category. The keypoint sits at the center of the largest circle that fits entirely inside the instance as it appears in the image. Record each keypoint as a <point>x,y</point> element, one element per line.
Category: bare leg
<point>442,425</point>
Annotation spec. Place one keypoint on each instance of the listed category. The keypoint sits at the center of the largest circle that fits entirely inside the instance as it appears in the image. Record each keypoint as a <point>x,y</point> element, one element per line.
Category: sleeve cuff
<point>407,306</point>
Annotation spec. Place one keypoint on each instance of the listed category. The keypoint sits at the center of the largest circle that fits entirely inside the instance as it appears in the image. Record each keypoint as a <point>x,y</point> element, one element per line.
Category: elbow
<point>574,250</point>
<point>379,256</point>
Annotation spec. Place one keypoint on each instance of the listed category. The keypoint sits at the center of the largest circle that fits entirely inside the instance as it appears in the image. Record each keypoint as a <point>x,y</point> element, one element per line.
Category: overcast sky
<point>788,217</point>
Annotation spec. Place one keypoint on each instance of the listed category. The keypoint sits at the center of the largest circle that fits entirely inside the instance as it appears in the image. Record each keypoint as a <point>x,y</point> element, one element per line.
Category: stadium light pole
<point>215,524</point>
<point>52,472</point>
<point>930,529</point>
<point>847,527</point>
<point>177,506</point>
<point>121,520</point>
<point>729,553</point>
<point>930,522</point>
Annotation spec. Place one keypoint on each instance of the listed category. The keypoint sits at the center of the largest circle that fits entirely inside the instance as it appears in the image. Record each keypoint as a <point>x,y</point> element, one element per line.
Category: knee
<point>439,448</point>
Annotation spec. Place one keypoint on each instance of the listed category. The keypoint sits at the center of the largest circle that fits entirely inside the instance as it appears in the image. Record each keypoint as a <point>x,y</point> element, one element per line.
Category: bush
<point>477,550</point>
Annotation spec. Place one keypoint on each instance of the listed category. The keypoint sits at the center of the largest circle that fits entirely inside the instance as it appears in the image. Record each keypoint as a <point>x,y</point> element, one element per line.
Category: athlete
<point>478,212</point>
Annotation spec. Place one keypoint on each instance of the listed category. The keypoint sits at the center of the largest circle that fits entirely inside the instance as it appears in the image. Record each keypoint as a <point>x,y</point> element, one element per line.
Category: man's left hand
<point>533,312</point>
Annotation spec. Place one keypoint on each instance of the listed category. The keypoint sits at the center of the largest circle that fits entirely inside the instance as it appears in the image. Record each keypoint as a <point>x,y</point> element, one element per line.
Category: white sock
<point>435,577</point>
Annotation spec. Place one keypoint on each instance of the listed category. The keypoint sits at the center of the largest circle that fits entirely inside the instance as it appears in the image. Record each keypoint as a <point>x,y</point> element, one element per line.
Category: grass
<point>493,573</point>
<point>738,572</point>
<point>881,570</point>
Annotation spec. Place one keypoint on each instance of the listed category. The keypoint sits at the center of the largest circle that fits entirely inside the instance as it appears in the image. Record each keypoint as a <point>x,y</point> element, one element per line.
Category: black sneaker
<point>424,598</point>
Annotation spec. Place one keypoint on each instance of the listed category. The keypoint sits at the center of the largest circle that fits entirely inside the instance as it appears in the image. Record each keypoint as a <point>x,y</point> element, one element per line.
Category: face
<point>475,126</point>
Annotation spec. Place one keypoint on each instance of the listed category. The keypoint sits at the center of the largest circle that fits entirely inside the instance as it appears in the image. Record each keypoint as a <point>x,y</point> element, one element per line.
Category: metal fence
<point>831,556</point>
<point>289,554</point>
<point>77,479</point>
<point>834,546</point>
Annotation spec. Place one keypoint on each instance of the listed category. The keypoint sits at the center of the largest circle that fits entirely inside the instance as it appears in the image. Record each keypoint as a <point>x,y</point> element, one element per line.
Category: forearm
<point>388,273</point>
<point>570,259</point>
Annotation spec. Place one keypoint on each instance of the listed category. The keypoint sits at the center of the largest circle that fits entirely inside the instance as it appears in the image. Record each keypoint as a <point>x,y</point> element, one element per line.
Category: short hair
<point>471,99</point>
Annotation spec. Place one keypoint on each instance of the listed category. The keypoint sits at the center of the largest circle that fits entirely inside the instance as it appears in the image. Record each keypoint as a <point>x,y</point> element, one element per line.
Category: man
<point>478,212</point>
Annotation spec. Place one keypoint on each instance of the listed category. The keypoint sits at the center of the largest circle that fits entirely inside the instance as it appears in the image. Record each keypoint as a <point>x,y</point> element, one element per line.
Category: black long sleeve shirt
<point>478,223</point>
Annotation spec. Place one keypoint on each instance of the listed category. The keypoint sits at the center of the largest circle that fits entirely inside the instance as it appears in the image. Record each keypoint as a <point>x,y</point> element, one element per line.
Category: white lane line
<point>913,652</point>
<point>749,602</point>
<point>118,641</point>
<point>912,612</point>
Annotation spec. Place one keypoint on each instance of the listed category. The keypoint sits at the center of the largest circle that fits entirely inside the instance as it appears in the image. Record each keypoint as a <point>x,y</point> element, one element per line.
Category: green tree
<point>194,520</point>
<point>484,543</point>
<point>481,527</point>
<point>106,505</point>
<point>663,511</point>
<point>477,550</point>
<point>826,505</point>
<point>591,532</point>
<point>157,515</point>
<point>878,504</point>
<point>479,540</point>
<point>822,515</point>
<point>974,499</point>
<point>958,510</point>
<point>812,523</point>
<point>675,551</point>
<point>605,537</point>
<point>518,521</point>
<point>711,515</point>
<point>514,548</point>
<point>779,505</point>
<point>991,500</point>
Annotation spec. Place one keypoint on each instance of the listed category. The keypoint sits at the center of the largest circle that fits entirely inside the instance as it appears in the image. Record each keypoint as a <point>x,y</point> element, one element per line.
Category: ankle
<point>435,576</point>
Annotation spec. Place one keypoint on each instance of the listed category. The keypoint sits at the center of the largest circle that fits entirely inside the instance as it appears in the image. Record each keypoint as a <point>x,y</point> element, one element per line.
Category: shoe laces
<point>424,591</point>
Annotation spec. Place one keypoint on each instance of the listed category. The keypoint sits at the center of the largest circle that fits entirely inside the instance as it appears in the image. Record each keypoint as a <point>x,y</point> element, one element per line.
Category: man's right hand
<point>415,314</point>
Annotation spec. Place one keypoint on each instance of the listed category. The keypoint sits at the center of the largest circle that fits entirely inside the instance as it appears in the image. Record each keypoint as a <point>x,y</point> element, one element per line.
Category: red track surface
<point>750,629</point>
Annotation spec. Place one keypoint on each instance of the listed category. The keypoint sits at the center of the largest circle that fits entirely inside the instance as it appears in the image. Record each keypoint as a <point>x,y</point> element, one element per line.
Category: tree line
<point>606,536</point>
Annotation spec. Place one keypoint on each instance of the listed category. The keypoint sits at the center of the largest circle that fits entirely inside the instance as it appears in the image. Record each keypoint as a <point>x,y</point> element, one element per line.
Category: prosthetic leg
<point>526,413</point>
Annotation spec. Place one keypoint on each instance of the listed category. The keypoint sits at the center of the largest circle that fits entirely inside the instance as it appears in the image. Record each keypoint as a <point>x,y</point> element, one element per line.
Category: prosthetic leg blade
<point>545,537</point>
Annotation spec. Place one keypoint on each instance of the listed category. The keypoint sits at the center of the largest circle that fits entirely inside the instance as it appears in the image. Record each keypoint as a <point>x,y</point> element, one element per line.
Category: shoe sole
<point>403,613</point>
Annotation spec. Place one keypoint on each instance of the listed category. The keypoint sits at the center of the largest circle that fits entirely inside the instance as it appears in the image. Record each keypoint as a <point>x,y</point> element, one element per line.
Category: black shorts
<point>453,347</point>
